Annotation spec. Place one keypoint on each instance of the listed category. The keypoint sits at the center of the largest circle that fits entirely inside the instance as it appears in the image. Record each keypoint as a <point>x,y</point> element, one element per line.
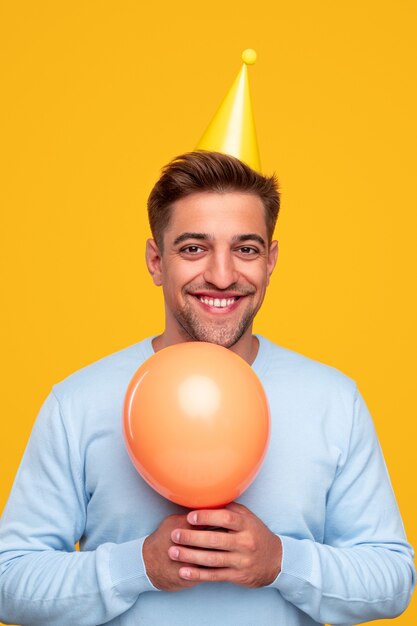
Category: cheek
<point>258,276</point>
<point>183,275</point>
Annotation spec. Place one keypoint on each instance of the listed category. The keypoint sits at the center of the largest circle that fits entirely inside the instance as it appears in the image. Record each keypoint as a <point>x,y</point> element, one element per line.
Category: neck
<point>247,347</point>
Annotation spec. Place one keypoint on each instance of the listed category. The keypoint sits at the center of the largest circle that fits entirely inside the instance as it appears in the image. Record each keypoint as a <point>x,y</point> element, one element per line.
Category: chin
<point>220,338</point>
<point>219,334</point>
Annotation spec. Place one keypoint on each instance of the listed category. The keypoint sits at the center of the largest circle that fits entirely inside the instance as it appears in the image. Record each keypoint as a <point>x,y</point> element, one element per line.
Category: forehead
<point>218,214</point>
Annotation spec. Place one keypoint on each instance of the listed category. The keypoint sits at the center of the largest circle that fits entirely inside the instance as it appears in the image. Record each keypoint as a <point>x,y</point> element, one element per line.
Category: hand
<point>162,571</point>
<point>244,551</point>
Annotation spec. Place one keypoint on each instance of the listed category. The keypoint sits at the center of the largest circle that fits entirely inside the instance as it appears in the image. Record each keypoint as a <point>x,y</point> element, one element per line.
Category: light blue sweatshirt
<point>323,488</point>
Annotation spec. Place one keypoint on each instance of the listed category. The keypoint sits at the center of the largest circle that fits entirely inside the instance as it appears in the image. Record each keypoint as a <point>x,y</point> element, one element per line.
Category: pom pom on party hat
<point>232,129</point>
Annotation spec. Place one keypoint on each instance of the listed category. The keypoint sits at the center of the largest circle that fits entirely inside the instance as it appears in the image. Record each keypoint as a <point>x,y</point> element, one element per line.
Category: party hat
<point>232,129</point>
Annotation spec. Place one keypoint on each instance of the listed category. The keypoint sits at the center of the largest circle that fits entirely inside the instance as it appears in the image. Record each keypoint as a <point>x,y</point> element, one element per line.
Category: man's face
<point>214,268</point>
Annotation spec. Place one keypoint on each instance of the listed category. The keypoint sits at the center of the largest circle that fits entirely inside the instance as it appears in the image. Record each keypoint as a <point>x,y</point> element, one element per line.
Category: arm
<point>362,571</point>
<point>43,580</point>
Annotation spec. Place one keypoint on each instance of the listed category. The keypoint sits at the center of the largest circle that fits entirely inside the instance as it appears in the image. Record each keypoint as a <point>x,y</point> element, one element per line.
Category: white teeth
<point>216,302</point>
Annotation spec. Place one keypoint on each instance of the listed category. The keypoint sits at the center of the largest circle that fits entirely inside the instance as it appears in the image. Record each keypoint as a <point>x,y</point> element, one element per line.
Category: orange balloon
<point>196,424</point>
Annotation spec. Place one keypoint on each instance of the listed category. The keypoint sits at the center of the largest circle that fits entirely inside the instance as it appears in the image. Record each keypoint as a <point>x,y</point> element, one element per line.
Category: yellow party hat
<point>232,129</point>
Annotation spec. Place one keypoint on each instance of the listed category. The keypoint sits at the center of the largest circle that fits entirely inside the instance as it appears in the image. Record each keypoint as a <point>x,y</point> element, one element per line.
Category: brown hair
<point>208,171</point>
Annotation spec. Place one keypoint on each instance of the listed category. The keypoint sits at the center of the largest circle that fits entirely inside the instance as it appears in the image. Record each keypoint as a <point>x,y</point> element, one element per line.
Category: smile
<point>217,302</point>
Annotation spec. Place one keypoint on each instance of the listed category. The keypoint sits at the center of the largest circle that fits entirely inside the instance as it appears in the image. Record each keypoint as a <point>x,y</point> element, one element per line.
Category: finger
<point>204,558</point>
<point>211,539</point>
<point>195,574</point>
<point>237,507</point>
<point>223,518</point>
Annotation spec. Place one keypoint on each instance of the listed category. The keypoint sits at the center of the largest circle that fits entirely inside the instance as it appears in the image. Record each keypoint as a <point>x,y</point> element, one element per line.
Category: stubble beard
<point>218,332</point>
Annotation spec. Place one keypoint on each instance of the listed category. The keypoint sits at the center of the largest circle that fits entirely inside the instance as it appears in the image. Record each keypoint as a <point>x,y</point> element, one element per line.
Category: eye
<point>248,250</point>
<point>192,249</point>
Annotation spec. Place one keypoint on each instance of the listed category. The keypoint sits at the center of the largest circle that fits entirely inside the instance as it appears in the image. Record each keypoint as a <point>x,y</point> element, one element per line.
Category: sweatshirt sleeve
<point>43,579</point>
<point>364,568</point>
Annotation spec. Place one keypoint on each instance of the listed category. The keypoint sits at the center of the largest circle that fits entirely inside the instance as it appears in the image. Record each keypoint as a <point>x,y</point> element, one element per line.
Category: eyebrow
<point>185,236</point>
<point>250,237</point>
<point>206,237</point>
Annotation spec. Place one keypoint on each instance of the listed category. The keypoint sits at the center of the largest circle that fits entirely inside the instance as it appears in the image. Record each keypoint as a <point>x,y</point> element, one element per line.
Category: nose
<point>220,270</point>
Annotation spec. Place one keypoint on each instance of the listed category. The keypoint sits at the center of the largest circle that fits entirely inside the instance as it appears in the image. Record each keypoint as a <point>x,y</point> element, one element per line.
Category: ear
<point>272,258</point>
<point>154,261</point>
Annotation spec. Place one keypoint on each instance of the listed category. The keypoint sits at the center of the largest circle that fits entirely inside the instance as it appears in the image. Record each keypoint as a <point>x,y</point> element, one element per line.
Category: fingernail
<point>176,535</point>
<point>174,552</point>
<point>185,573</point>
<point>192,518</point>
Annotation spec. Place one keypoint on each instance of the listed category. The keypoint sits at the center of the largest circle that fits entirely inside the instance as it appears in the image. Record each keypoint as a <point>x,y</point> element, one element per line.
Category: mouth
<point>217,304</point>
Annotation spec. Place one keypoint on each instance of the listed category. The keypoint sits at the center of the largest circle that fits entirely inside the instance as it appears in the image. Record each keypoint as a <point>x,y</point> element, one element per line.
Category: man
<point>316,538</point>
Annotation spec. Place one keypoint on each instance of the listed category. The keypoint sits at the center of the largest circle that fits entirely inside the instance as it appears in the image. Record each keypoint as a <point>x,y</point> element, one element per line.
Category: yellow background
<point>97,95</point>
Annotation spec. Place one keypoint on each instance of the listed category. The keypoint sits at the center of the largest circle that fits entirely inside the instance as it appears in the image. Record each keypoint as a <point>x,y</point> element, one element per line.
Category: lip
<point>216,294</point>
